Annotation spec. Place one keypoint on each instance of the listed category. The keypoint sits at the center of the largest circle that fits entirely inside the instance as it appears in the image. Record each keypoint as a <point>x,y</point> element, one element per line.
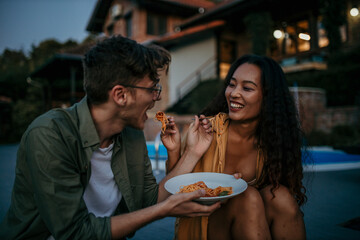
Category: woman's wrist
<point>190,155</point>
<point>191,151</point>
<point>173,151</point>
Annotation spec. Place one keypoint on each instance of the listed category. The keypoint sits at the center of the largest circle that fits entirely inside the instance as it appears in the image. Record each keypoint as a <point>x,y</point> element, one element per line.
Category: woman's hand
<point>237,175</point>
<point>205,123</point>
<point>199,136</point>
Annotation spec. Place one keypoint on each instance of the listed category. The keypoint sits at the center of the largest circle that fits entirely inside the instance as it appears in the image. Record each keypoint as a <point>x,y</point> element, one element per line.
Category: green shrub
<point>25,111</point>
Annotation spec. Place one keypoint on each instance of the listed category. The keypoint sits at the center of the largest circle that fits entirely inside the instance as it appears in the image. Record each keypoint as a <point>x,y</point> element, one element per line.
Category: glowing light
<point>354,12</point>
<point>278,34</point>
<point>304,36</point>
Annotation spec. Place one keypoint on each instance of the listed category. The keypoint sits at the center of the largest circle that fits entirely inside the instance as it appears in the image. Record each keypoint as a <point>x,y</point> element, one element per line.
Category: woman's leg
<point>283,214</point>
<point>241,217</point>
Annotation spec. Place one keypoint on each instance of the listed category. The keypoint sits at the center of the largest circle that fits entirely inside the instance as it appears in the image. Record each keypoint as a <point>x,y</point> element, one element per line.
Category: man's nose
<point>157,98</point>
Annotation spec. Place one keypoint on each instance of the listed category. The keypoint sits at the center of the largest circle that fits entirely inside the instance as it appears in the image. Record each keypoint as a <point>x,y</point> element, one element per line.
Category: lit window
<point>292,37</point>
<point>303,35</point>
<point>322,35</point>
<point>323,40</point>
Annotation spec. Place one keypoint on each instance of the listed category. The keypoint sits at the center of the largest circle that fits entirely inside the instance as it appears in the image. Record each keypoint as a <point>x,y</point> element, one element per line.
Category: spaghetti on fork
<point>161,116</point>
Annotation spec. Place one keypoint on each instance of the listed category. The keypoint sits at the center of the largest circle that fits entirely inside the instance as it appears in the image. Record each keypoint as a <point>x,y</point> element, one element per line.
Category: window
<point>293,37</point>
<point>323,40</point>
<point>128,22</point>
<point>110,29</point>
<point>156,24</point>
<point>227,57</point>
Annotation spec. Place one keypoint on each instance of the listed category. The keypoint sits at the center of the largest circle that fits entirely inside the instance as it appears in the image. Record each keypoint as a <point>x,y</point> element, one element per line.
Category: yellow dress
<point>213,161</point>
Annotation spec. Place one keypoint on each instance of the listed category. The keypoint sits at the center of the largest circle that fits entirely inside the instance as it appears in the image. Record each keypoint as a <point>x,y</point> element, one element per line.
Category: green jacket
<point>53,169</point>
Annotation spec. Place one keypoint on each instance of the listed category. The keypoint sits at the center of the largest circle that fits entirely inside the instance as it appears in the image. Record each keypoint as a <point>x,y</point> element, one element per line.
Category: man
<point>83,172</point>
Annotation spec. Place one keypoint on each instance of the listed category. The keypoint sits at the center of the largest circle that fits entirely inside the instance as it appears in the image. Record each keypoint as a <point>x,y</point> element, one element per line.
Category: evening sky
<point>27,22</point>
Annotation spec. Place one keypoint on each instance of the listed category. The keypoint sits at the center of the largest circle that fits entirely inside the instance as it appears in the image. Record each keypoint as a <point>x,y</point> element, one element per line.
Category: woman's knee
<point>249,200</point>
<point>279,200</point>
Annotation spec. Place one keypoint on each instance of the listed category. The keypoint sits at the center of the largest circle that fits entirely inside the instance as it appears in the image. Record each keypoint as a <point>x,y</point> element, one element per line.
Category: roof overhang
<point>215,12</point>
<point>60,66</point>
<point>235,8</point>
<point>98,16</point>
<point>185,8</point>
<point>188,34</point>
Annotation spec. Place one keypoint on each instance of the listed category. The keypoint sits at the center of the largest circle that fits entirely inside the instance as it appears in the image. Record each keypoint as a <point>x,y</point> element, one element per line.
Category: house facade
<point>204,37</point>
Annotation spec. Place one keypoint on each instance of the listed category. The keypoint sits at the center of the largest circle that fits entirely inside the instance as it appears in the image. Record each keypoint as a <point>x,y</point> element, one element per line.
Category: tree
<point>46,49</point>
<point>27,101</point>
<point>26,110</point>
<point>14,68</point>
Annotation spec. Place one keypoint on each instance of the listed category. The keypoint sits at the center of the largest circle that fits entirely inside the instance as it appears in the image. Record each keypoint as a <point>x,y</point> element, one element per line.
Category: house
<point>150,22</point>
<point>205,37</point>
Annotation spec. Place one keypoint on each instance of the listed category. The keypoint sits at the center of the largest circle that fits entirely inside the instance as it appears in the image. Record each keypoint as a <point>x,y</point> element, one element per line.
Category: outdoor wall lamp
<point>354,12</point>
<point>277,34</point>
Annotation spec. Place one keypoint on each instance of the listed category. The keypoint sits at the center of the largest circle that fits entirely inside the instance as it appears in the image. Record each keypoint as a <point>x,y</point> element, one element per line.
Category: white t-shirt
<point>102,195</point>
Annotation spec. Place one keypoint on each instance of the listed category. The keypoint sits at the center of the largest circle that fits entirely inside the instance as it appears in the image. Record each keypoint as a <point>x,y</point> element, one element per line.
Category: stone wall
<point>309,101</point>
<point>315,115</point>
<point>326,120</point>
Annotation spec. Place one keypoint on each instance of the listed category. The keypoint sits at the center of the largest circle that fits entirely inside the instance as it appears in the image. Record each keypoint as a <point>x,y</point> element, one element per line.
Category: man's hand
<point>182,205</point>
<point>171,136</point>
<point>177,205</point>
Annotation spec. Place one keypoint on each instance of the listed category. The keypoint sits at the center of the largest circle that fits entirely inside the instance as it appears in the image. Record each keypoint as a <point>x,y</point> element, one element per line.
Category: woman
<point>258,135</point>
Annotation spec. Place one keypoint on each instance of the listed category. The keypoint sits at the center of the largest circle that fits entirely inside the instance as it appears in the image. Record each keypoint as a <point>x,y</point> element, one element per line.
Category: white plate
<point>212,180</point>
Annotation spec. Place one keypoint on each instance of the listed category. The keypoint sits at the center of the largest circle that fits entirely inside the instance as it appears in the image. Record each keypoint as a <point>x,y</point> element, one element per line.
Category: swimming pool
<point>327,159</point>
<point>323,159</point>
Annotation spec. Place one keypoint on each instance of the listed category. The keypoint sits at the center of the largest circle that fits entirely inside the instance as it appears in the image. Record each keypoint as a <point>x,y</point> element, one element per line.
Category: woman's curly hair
<point>279,131</point>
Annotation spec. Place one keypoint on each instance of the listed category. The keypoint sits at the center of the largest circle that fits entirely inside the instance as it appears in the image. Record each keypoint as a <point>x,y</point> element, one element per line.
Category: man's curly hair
<point>119,60</point>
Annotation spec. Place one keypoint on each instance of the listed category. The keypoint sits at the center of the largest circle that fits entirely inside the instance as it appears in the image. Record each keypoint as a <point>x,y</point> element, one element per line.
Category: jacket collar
<point>88,133</point>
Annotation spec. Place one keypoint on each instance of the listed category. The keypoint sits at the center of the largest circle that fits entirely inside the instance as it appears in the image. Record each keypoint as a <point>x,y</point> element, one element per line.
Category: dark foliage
<point>24,101</point>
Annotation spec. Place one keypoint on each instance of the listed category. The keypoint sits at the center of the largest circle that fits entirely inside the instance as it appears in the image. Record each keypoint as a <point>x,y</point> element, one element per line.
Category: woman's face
<point>244,93</point>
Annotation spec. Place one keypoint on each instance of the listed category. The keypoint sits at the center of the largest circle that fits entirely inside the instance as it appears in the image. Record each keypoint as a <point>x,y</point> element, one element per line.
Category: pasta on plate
<point>210,192</point>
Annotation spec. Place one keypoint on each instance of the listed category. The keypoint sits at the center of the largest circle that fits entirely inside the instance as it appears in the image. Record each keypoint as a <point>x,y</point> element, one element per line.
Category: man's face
<point>140,101</point>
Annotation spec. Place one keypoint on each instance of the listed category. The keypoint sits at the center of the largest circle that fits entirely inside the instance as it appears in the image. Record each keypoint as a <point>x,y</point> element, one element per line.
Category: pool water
<point>326,159</point>
<point>152,153</point>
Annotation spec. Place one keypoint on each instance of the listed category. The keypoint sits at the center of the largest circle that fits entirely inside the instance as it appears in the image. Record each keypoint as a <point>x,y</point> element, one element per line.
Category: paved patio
<point>333,200</point>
